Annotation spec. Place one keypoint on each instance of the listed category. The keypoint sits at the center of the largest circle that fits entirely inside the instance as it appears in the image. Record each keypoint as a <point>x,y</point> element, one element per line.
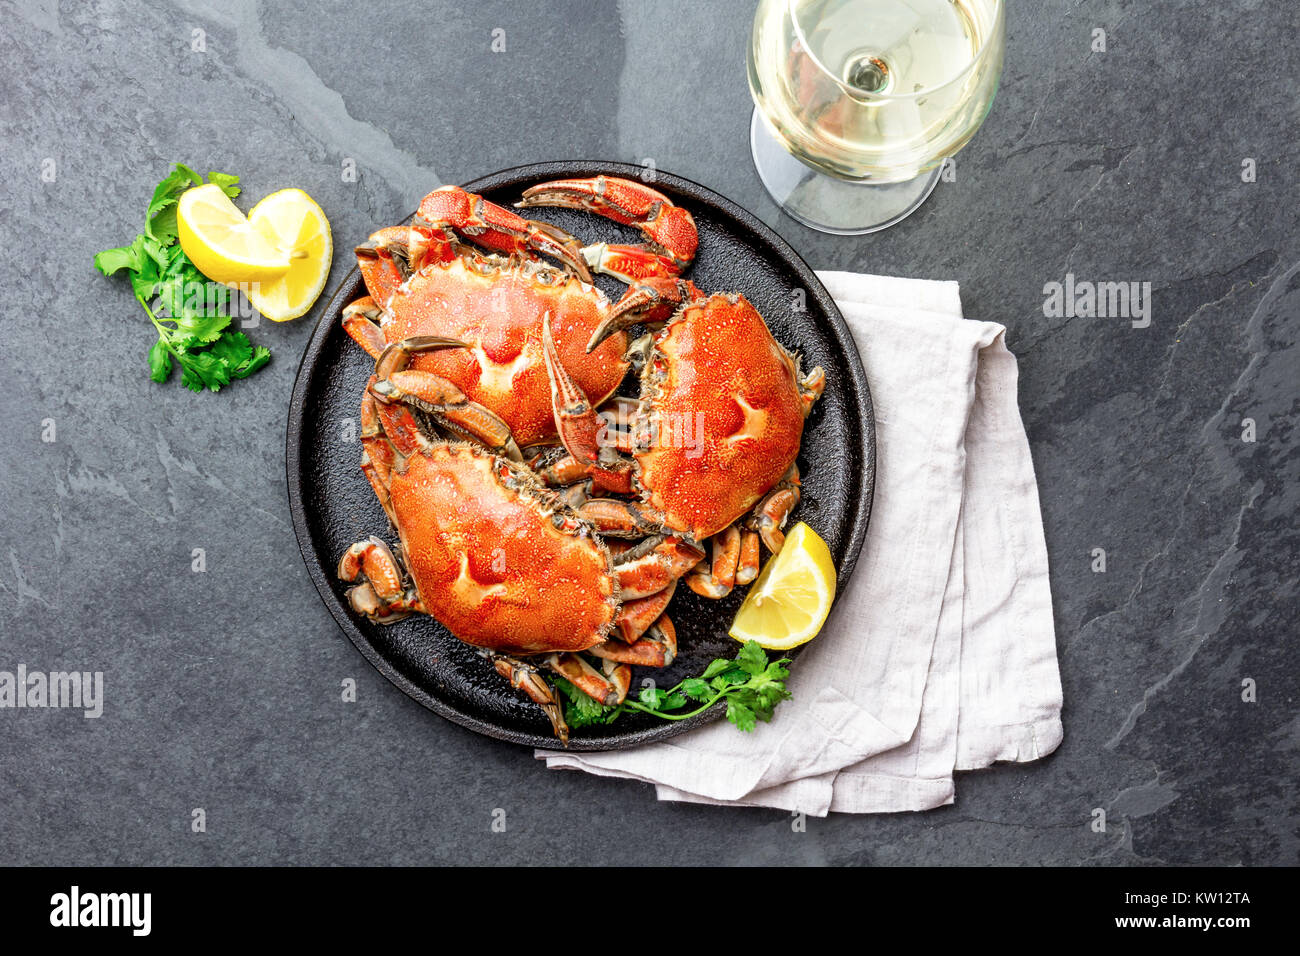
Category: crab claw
<point>636,616</point>
<point>629,264</point>
<point>449,212</point>
<point>650,300</point>
<point>579,426</point>
<point>381,594</point>
<point>385,262</point>
<point>397,356</point>
<point>669,229</point>
<point>394,386</point>
<point>361,321</point>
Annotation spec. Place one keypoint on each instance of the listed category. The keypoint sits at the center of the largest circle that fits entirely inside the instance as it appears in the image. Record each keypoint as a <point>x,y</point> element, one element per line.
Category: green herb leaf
<point>196,331</point>
<point>750,684</point>
<point>716,667</point>
<point>144,281</point>
<point>652,697</point>
<point>125,257</point>
<point>752,658</point>
<point>740,715</point>
<point>204,370</point>
<point>732,676</point>
<point>192,318</point>
<point>233,348</point>
<point>696,689</point>
<point>674,701</point>
<point>261,355</point>
<point>160,217</point>
<point>226,182</point>
<point>160,362</point>
<point>580,710</point>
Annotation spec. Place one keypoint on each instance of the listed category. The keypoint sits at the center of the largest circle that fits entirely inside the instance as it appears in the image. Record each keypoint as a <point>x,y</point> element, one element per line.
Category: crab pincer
<point>436,396</point>
<point>581,429</point>
<point>670,232</point>
<point>449,213</point>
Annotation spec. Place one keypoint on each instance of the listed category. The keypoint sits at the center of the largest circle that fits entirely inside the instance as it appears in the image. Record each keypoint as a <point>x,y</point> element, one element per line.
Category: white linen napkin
<point>941,654</point>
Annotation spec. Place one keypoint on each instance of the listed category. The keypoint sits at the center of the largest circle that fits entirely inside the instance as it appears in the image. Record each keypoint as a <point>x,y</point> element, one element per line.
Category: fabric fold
<point>940,654</point>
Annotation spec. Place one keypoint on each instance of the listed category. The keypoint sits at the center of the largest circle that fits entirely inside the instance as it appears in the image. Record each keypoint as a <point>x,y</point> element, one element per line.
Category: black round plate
<point>333,506</point>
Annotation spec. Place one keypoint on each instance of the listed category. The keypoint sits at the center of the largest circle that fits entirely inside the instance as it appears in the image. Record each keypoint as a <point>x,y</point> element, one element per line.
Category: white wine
<point>909,45</point>
<point>875,90</point>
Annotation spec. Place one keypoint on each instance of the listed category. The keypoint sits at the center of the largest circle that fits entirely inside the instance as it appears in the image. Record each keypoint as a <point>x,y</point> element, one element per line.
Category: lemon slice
<point>789,601</point>
<point>221,242</point>
<point>291,221</point>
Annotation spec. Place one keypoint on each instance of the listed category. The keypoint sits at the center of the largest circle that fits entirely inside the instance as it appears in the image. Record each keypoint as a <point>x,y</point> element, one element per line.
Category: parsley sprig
<point>751,685</point>
<point>189,312</point>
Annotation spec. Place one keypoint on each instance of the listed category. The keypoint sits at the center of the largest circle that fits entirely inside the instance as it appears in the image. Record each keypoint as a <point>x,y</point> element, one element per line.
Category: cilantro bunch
<point>189,312</point>
<point>751,685</point>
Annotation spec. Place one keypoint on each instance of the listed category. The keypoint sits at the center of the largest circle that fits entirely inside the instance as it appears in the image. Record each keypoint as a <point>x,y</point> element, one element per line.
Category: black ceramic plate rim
<point>295,476</point>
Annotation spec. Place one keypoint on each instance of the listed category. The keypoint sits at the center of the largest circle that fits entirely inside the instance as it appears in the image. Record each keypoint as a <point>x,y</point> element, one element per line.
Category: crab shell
<point>494,560</point>
<point>496,305</point>
<point>720,418</point>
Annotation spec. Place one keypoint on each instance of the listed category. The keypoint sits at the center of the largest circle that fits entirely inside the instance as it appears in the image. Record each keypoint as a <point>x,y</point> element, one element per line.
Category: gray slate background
<point>223,687</point>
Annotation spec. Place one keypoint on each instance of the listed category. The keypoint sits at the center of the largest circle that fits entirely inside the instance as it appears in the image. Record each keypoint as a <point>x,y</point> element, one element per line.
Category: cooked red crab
<point>494,554</point>
<point>424,280</point>
<point>714,435</point>
<point>518,559</point>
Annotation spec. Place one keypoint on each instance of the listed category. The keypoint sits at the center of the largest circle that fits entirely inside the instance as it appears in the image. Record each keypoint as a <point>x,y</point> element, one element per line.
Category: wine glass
<point>858,103</point>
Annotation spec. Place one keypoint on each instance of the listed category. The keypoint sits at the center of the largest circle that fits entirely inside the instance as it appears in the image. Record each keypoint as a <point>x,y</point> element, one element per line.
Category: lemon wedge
<point>222,243</point>
<point>788,603</point>
<point>296,226</point>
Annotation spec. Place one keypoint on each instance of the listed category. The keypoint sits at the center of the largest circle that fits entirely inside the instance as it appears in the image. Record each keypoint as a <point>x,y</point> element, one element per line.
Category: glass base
<point>828,204</point>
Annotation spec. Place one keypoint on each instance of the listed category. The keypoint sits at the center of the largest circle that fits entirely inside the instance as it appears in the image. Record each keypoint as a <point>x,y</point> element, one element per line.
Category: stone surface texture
<point>223,687</point>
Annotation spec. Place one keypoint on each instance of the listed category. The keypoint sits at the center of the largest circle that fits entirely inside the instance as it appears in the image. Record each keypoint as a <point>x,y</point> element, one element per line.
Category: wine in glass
<point>859,102</point>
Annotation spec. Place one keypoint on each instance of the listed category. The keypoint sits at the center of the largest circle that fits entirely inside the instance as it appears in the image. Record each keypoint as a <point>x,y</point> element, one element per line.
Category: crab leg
<point>770,514</point>
<point>669,229</point>
<point>381,595</point>
<point>583,676</point>
<point>556,466</point>
<point>811,387</point>
<point>365,601</point>
<point>403,432</point>
<point>653,565</point>
<point>657,648</point>
<point>568,470</point>
<point>524,676</point>
<point>565,470</point>
<point>747,566</point>
<point>438,397</point>
<point>716,579</point>
<point>636,616</point>
<point>581,429</point>
<point>561,471</point>
<point>630,264</point>
<point>375,561</point>
<point>449,212</point>
<point>648,301</point>
<point>361,321</point>
<point>621,519</point>
<point>385,262</point>
<point>618,674</point>
<point>376,452</point>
